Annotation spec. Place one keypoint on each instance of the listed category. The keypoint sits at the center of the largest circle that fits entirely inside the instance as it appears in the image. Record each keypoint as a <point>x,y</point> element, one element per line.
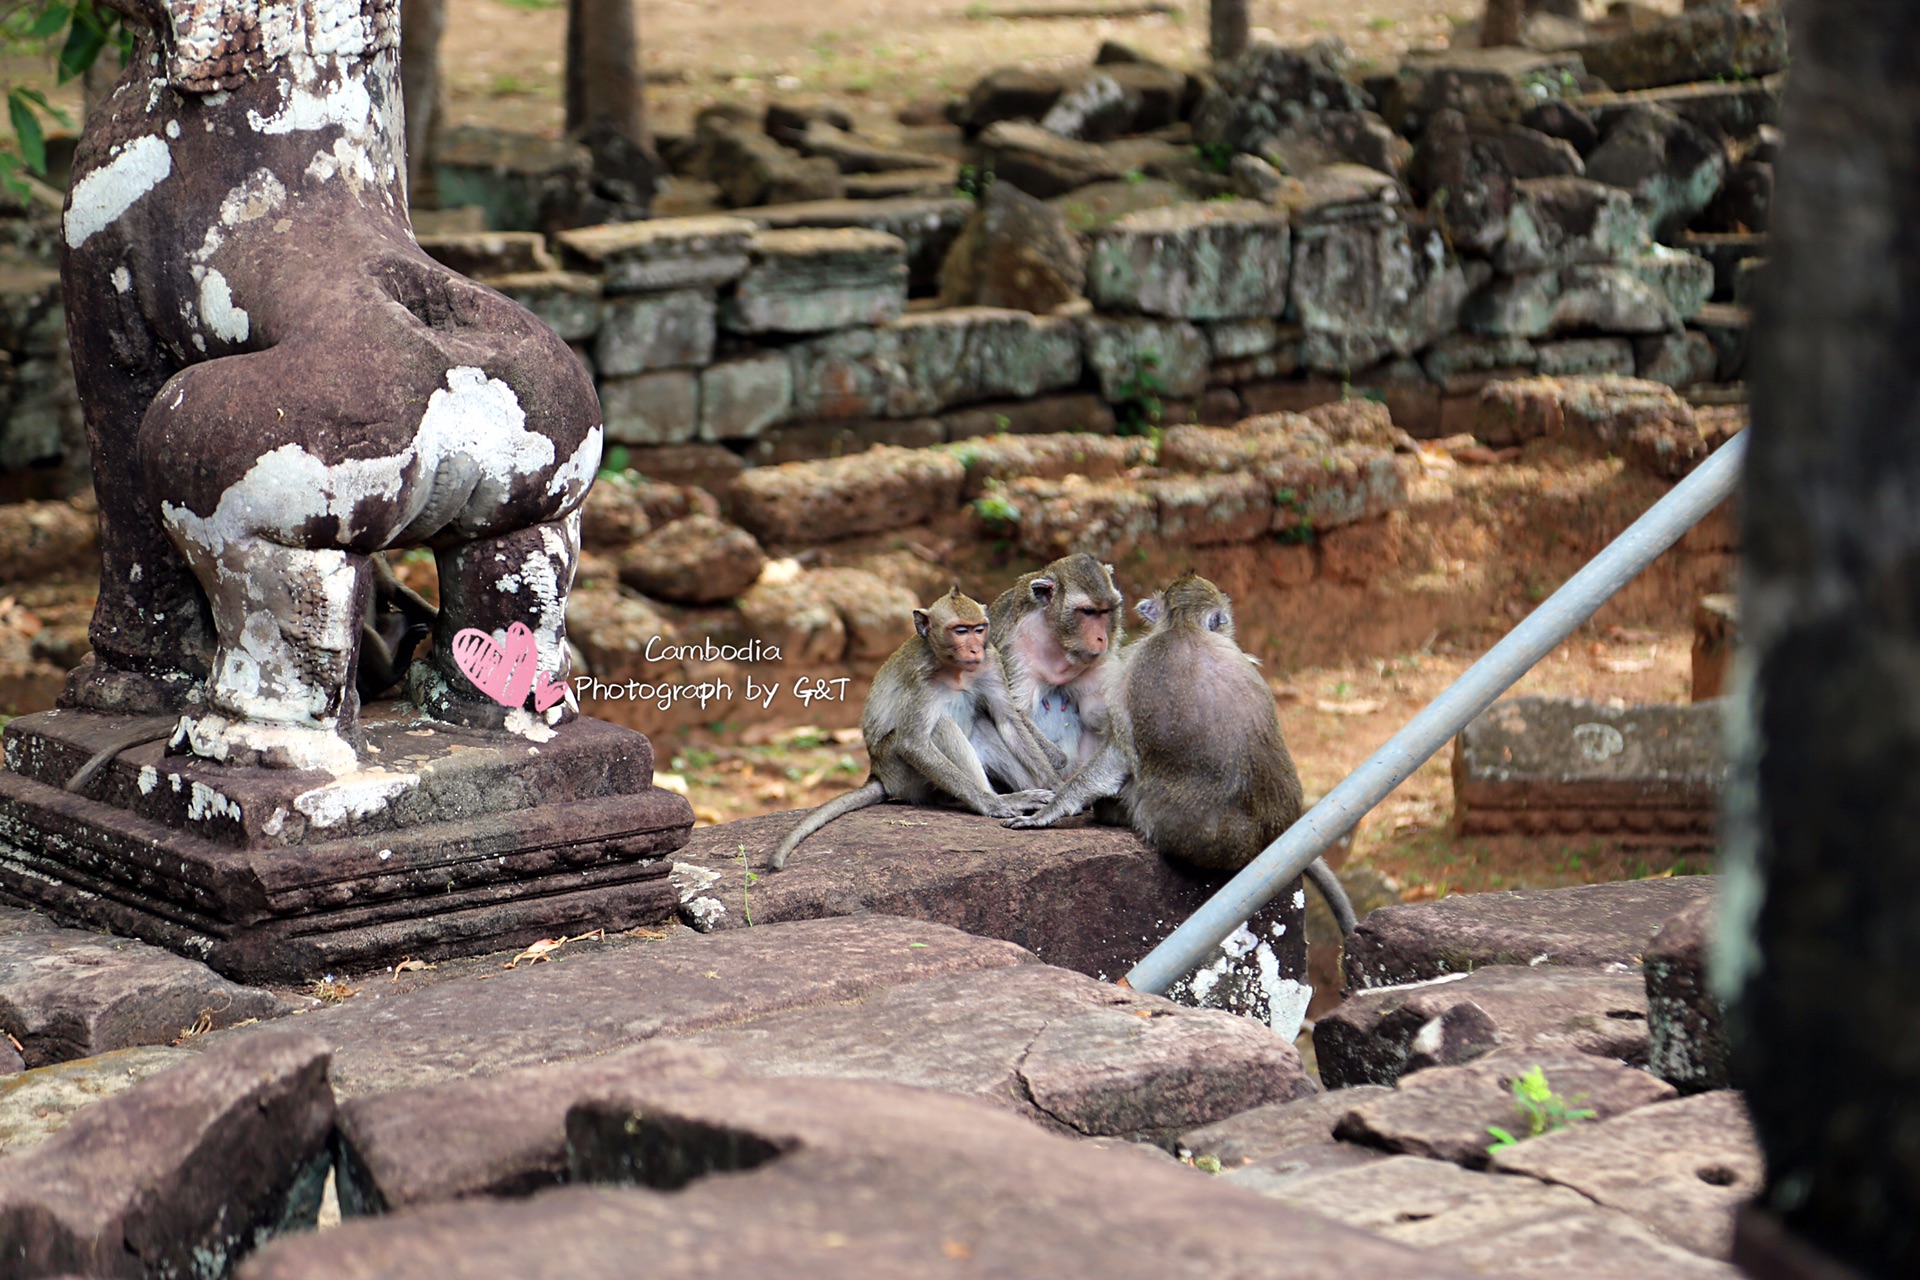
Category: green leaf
<point>10,176</point>
<point>1503,1139</point>
<point>85,39</point>
<point>51,20</point>
<point>26,128</point>
<point>39,100</point>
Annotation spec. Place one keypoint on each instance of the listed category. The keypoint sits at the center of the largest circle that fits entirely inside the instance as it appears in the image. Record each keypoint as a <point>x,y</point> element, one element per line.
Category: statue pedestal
<point>447,841</point>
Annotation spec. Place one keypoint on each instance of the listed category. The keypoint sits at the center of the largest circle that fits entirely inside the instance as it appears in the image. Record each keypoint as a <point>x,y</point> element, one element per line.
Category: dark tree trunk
<point>1227,21</point>
<point>1823,879</point>
<point>1500,23</point>
<point>605,103</point>
<point>422,23</point>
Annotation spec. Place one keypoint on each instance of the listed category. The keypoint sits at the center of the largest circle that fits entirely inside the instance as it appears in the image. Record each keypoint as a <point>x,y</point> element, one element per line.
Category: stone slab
<point>837,1178</point>
<point>647,331</point>
<point>1496,1225</point>
<point>656,408</point>
<point>1264,1132</point>
<point>1686,1022</point>
<point>483,255</point>
<point>741,398</point>
<point>180,1175</point>
<point>1378,1036</point>
<point>928,226</point>
<point>66,994</point>
<point>814,280</point>
<point>594,1004</point>
<point>1216,260</point>
<point>657,254</point>
<point>1680,1167</point>
<point>1306,1160</point>
<point>461,841</point>
<point>36,1104</point>
<point>880,489</point>
<point>927,362</point>
<point>1587,926</point>
<point>1446,1113</point>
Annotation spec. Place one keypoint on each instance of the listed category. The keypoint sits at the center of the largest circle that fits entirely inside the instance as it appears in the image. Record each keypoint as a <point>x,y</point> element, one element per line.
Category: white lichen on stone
<point>99,198</point>
<point>149,779</point>
<point>352,796</point>
<point>204,802</point>
<point>689,880</point>
<point>227,321</point>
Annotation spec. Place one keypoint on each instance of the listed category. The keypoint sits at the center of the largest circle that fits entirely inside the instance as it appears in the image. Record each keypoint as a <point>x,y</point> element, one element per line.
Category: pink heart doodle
<point>506,675</point>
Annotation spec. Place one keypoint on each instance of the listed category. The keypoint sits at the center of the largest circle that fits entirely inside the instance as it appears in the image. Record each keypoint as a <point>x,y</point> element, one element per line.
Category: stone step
<point>836,1178</point>
<point>1379,1035</point>
<point>815,280</point>
<point>1595,926</point>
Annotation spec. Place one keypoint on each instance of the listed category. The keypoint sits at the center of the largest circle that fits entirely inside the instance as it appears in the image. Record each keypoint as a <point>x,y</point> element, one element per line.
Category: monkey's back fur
<point>1221,785</point>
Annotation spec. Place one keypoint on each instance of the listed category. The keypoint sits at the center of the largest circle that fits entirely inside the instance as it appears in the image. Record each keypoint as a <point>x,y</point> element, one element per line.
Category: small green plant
<point>1381,23</point>
<point>1134,177</point>
<point>1137,409</point>
<point>1543,1110</point>
<point>509,86</point>
<point>747,880</point>
<point>1215,157</point>
<point>978,11</point>
<point>614,463</point>
<point>973,182</point>
<point>995,509</point>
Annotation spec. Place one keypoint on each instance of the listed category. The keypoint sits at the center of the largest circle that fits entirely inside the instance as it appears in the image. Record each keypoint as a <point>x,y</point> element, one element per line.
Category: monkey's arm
<point>942,755</point>
<point>1105,774</point>
<point>1029,746</point>
<point>870,794</point>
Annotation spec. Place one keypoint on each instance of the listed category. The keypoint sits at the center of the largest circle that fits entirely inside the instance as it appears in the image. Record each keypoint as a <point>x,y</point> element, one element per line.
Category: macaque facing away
<point>1195,748</point>
<point>939,724</point>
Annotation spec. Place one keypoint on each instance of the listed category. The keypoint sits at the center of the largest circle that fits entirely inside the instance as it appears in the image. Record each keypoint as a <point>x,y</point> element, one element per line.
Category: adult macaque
<point>939,722</point>
<point>1195,747</point>
<point>1058,631</point>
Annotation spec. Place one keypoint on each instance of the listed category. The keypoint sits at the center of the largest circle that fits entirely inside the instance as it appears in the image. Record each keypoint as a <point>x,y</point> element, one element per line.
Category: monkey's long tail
<point>871,794</point>
<point>1334,892</point>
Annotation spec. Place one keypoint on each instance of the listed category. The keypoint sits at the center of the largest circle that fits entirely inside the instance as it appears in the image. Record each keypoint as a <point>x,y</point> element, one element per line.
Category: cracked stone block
<point>66,993</point>
<point>928,226</point>
<point>1645,421</point>
<point>1584,357</point>
<point>696,559</point>
<point>1684,279</point>
<point>1274,1128</point>
<point>38,1104</point>
<point>1378,1036</point>
<point>1316,484</point>
<point>998,459</point>
<point>927,362</point>
<point>651,331</point>
<point>834,1177</point>
<point>653,408</point>
<point>661,254</point>
<point>182,1174</point>
<point>1683,358</point>
<point>1596,926</point>
<point>1497,1225</point>
<point>1557,222</point>
<point>1672,169</point>
<point>1448,1113</point>
<point>1209,261</point>
<point>1366,286</point>
<point>741,398</point>
<point>1501,84</point>
<point>1202,511</point>
<point>1701,44</point>
<point>815,280</point>
<point>1137,356</point>
<point>567,302</point>
<point>883,488</point>
<point>1540,764</point>
<point>1686,1021</point>
<point>1056,518</point>
<point>1607,297</point>
<point>1682,1167</point>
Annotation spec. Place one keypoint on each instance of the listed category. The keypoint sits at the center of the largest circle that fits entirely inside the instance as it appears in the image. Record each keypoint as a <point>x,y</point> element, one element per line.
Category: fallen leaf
<point>671,782</point>
<point>410,965</point>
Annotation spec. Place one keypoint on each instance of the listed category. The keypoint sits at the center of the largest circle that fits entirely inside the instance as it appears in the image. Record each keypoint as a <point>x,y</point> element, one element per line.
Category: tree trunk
<point>422,23</point>
<point>1500,23</point>
<point>1821,896</point>
<point>605,103</point>
<point>1228,28</point>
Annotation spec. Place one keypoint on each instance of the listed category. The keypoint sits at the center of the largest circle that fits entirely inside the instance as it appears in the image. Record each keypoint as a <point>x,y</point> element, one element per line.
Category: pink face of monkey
<point>1090,628</point>
<point>956,627</point>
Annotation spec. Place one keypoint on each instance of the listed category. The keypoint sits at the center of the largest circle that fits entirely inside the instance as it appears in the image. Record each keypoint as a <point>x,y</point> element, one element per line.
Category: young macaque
<point>940,724</point>
<point>1058,632</point>
<point>1195,747</point>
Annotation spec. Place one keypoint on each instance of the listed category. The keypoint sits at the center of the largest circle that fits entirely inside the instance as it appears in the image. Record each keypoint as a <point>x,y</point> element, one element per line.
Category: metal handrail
<point>1187,947</point>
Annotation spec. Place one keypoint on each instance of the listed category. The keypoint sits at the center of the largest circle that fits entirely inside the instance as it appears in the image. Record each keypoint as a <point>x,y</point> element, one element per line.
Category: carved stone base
<point>446,841</point>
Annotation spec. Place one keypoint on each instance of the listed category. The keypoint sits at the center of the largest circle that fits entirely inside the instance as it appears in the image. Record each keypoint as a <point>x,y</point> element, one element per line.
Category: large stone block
<point>926,362</point>
<point>928,226</point>
<point>1320,475</point>
<point>1539,764</point>
<point>653,408</point>
<point>999,459</point>
<point>182,1175</point>
<point>1607,297</point>
<point>1269,88</point>
<point>693,560</point>
<point>1135,357</point>
<point>1686,1021</point>
<point>1684,279</point>
<point>644,332</point>
<point>830,1178</point>
<point>523,181</point>
<point>741,398</point>
<point>1366,286</point>
<point>1681,1167</point>
<point>1015,251</point>
<point>1381,1034</point>
<point>1056,518</point>
<point>1210,261</point>
<point>67,994</point>
<point>567,302</point>
<point>814,280</point>
<point>1704,44</point>
<point>1501,84</point>
<point>1201,511</point>
<point>1446,1113</point>
<point>1584,357</point>
<point>1266,1131</point>
<point>750,168</point>
<point>1600,926</point>
<point>1682,358</point>
<point>1556,222</point>
<point>662,253</point>
<point>1672,168</point>
<point>880,489</point>
<point>1042,163</point>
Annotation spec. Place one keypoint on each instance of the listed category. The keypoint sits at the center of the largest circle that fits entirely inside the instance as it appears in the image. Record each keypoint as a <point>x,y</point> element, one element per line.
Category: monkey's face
<point>1088,632</point>
<point>966,645</point>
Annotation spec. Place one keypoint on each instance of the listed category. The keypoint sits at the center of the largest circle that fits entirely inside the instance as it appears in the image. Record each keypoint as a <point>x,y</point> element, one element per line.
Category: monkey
<point>938,722</point>
<point>1195,750</point>
<point>1058,631</point>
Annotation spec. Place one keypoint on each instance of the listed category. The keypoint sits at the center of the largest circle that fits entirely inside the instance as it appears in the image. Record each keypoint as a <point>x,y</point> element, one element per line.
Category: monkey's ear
<point>1150,609</point>
<point>922,623</point>
<point>1042,589</point>
<point>1110,577</point>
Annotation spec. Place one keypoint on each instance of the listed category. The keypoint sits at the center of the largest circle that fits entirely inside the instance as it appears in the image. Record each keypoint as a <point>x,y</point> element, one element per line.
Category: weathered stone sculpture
<point>278,383</point>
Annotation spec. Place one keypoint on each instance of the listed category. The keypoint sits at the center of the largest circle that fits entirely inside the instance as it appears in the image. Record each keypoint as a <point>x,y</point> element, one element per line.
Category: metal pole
<point>1582,595</point>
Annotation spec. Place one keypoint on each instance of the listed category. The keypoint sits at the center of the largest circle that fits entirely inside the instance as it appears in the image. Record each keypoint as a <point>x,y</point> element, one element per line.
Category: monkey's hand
<point>1062,807</point>
<point>1016,803</point>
